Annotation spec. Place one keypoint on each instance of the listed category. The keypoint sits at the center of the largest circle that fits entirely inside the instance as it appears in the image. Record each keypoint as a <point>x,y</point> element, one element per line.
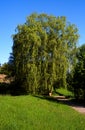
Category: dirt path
<point>76,106</point>
<point>80,109</point>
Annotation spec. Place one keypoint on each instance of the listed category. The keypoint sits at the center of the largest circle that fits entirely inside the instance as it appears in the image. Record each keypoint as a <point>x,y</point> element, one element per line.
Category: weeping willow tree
<point>41,50</point>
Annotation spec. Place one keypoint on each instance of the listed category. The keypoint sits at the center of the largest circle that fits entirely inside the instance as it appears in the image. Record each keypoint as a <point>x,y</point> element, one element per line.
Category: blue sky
<point>14,12</point>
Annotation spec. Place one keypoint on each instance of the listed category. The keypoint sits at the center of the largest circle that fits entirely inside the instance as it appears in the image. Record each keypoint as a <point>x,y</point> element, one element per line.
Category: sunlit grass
<point>64,92</point>
<point>37,113</point>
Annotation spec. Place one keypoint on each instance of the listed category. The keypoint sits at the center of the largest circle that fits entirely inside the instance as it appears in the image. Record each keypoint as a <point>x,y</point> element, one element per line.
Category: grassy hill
<point>37,113</point>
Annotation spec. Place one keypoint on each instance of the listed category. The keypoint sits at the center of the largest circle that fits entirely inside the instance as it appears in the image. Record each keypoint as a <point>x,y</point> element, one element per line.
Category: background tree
<point>78,84</point>
<point>7,69</point>
<point>42,51</point>
<point>4,69</point>
<point>0,67</point>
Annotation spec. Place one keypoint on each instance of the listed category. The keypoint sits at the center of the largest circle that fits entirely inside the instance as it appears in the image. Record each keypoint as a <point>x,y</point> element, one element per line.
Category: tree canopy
<point>44,47</point>
<point>78,84</point>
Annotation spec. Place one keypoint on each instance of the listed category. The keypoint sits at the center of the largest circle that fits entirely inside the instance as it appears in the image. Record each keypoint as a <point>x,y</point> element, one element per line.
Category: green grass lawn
<point>64,92</point>
<point>37,113</point>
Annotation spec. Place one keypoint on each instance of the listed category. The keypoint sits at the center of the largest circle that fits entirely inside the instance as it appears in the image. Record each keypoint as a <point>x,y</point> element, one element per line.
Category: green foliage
<point>37,113</point>
<point>4,68</point>
<point>7,69</point>
<point>42,48</point>
<point>0,68</point>
<point>79,74</point>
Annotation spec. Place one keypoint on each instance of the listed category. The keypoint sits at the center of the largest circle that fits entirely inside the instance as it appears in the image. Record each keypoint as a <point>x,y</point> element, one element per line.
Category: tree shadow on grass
<point>11,89</point>
<point>4,88</point>
<point>63,100</point>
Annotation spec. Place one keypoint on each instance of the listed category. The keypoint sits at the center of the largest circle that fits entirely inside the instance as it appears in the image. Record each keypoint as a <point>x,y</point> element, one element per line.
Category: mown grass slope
<point>37,113</point>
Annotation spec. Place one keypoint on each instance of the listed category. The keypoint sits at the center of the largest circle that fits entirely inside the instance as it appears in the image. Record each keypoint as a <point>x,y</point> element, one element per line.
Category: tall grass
<point>37,113</point>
